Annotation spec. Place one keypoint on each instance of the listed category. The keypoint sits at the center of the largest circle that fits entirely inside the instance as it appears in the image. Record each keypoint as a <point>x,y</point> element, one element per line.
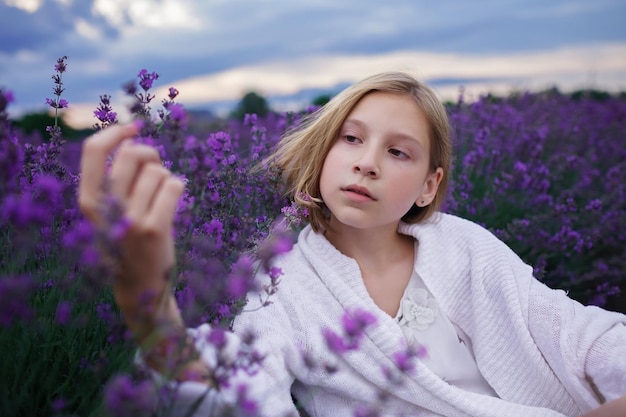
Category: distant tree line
<point>254,103</point>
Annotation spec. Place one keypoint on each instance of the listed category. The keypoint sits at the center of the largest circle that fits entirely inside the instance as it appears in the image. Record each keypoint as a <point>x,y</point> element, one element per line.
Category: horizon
<point>213,52</point>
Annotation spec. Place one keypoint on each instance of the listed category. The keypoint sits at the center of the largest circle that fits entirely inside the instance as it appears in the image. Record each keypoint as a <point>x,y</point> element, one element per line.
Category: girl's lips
<point>358,193</point>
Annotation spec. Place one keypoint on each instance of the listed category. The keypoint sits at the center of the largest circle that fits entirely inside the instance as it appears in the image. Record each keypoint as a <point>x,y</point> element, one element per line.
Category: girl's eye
<point>398,153</point>
<point>351,139</point>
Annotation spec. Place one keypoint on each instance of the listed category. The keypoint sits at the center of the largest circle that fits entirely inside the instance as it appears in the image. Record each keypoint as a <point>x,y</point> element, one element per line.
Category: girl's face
<point>378,166</point>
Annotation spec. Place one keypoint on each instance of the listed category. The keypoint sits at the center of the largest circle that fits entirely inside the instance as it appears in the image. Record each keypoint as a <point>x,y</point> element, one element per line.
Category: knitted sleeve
<point>264,332</point>
<point>272,331</point>
<point>263,391</point>
<point>584,345</point>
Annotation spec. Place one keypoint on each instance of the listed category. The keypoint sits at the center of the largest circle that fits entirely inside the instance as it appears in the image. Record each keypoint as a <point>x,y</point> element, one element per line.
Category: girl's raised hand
<point>148,194</point>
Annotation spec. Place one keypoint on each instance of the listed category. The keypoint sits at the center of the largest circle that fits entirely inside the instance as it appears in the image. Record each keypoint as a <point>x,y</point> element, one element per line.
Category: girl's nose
<point>367,165</point>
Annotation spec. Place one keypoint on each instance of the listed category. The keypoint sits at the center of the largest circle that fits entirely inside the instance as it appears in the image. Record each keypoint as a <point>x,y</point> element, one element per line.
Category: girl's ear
<point>430,188</point>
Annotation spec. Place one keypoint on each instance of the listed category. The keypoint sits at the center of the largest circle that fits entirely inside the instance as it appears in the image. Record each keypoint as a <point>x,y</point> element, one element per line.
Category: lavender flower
<point>142,99</point>
<point>11,162</point>
<point>6,97</point>
<point>241,278</point>
<point>127,397</point>
<point>335,342</point>
<point>58,405</point>
<point>172,93</point>
<point>104,113</point>
<point>366,411</point>
<point>514,155</point>
<point>36,208</point>
<point>146,79</point>
<point>279,241</point>
<point>63,313</point>
<point>60,67</point>
<point>354,323</point>
<point>174,118</point>
<point>79,239</point>
<point>178,116</point>
<point>295,214</point>
<point>58,103</point>
<point>245,406</point>
<point>15,294</point>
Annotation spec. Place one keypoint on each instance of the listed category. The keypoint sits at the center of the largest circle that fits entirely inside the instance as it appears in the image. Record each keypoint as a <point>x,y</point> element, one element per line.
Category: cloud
<point>324,71</point>
<point>40,26</point>
<point>163,14</point>
<point>109,41</point>
<point>291,84</point>
<point>29,6</point>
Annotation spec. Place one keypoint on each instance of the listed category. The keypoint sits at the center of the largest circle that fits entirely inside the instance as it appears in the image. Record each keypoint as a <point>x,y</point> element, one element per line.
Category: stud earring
<point>423,201</point>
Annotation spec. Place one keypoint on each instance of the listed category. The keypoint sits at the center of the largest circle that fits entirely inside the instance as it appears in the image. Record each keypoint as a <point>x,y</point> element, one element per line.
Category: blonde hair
<point>300,154</point>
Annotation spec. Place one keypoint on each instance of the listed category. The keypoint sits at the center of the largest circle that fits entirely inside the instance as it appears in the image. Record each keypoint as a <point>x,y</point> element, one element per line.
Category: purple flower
<point>15,294</point>
<point>172,93</point>
<point>250,119</point>
<point>11,160</point>
<point>280,241</point>
<point>275,273</point>
<point>244,404</point>
<point>61,66</point>
<point>190,143</point>
<point>105,116</point>
<point>177,113</point>
<point>130,87</point>
<point>223,310</point>
<point>79,238</point>
<point>63,313</point>
<point>6,97</point>
<point>60,104</point>
<point>104,113</point>
<point>22,212</point>
<point>362,410</point>
<point>217,338</point>
<point>594,205</point>
<point>39,207</point>
<point>104,311</point>
<point>58,404</point>
<point>295,213</point>
<point>334,342</point>
<point>356,321</point>
<point>125,397</point>
<point>48,190</point>
<point>214,228</point>
<point>146,79</point>
<point>405,359</point>
<point>119,229</point>
<point>241,279</point>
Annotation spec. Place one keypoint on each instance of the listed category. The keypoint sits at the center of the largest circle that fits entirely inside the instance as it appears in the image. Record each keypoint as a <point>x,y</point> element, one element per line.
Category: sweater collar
<point>342,276</point>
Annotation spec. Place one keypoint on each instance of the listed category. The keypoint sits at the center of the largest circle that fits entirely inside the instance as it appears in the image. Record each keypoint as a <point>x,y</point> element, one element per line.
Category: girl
<point>373,166</point>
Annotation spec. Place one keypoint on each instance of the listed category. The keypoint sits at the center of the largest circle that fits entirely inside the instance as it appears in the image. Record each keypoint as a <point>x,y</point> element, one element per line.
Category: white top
<point>448,351</point>
<point>544,354</point>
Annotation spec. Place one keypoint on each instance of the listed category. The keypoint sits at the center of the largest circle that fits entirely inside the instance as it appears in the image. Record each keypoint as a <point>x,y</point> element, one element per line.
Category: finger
<point>161,213</point>
<point>126,166</point>
<point>95,152</point>
<point>147,186</point>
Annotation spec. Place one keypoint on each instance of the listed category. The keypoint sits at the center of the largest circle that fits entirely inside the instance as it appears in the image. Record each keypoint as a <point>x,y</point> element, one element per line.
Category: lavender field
<point>545,172</point>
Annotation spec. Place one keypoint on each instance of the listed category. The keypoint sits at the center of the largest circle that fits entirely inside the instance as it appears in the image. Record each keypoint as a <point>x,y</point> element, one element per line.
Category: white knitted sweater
<point>544,354</point>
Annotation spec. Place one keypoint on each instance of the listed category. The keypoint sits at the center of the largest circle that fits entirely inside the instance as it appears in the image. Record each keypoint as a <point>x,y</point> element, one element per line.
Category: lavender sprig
<point>58,103</point>
<point>141,106</point>
<point>104,113</point>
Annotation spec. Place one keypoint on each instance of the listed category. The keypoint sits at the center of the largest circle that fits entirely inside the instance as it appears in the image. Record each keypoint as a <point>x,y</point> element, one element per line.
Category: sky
<point>214,51</point>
